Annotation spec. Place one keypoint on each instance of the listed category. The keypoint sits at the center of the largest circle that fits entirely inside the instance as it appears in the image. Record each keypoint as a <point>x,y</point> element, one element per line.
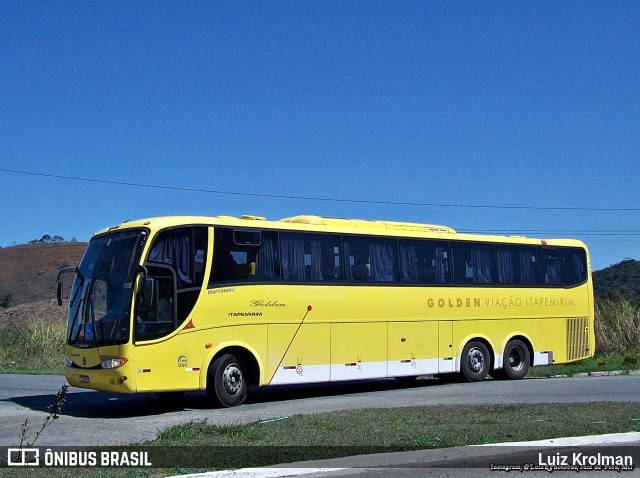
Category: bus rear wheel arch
<point>475,362</point>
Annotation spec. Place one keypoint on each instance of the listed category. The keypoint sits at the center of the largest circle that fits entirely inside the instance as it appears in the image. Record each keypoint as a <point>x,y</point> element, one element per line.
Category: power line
<point>313,198</point>
<point>591,241</point>
<point>509,232</point>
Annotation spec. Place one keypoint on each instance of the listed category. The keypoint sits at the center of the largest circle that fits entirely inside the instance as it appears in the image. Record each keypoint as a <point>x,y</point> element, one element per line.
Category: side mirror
<point>60,288</point>
<point>59,292</point>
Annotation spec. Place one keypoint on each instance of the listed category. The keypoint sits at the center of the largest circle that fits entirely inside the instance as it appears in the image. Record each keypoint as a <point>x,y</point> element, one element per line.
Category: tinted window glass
<point>551,266</point>
<point>255,260</point>
<point>370,259</point>
<point>424,262</point>
<point>310,257</point>
<point>473,263</point>
<point>573,265</point>
<point>516,265</point>
<point>184,250</point>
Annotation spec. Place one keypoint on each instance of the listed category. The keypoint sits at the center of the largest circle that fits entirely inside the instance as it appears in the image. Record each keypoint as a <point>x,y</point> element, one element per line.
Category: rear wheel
<point>227,381</point>
<point>517,360</point>
<point>475,361</point>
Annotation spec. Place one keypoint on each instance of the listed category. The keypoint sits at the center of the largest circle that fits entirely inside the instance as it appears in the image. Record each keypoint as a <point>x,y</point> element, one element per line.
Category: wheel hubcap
<point>515,359</point>
<point>475,360</point>
<point>232,379</point>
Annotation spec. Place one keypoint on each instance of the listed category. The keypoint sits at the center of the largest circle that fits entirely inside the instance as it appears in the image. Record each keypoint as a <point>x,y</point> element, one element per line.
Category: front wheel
<point>475,361</point>
<point>227,381</point>
<point>517,360</point>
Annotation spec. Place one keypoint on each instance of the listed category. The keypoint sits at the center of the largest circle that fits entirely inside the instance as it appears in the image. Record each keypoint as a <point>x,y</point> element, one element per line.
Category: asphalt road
<point>97,418</point>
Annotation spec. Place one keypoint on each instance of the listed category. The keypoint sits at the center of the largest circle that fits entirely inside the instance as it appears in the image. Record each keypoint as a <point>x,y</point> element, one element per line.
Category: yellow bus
<point>176,304</point>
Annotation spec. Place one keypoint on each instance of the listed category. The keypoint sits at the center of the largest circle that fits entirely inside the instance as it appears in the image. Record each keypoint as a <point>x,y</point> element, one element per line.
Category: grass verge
<point>600,363</point>
<point>32,345</point>
<point>416,427</point>
<point>402,429</point>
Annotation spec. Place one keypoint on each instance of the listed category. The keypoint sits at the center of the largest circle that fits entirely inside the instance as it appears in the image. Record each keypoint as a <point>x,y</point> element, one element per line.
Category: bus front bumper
<point>103,380</point>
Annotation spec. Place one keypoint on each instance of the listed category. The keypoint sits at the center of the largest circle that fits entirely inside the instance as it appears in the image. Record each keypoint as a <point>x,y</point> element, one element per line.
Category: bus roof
<point>336,225</point>
<point>366,223</point>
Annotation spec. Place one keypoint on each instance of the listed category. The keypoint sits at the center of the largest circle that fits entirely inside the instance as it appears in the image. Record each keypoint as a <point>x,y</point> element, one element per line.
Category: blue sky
<point>452,104</point>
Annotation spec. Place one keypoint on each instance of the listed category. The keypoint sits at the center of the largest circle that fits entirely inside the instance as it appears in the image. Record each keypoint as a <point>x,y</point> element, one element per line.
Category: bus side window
<point>242,255</point>
<point>424,261</point>
<point>184,250</point>
<point>573,265</point>
<point>230,261</point>
<point>309,257</point>
<point>474,263</point>
<point>370,259</point>
<point>516,264</point>
<point>551,266</point>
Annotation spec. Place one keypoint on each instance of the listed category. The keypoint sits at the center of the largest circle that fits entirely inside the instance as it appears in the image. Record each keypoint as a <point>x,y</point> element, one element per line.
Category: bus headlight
<point>68,362</point>
<point>113,363</point>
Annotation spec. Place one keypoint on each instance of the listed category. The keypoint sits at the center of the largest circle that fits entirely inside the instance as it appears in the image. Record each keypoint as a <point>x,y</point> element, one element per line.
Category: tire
<point>475,361</point>
<point>227,381</point>
<point>516,360</point>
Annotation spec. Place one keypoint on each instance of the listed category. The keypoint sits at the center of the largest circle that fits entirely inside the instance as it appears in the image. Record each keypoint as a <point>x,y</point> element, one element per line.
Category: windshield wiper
<point>81,276</point>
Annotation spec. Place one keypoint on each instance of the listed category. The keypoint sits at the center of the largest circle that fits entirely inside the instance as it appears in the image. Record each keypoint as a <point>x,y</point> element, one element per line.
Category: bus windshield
<point>101,295</point>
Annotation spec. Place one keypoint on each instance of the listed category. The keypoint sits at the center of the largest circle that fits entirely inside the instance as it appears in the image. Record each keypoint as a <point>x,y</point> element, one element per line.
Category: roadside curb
<point>610,373</point>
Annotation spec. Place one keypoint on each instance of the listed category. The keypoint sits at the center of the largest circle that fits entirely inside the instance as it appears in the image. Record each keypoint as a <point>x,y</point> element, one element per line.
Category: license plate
<point>84,379</point>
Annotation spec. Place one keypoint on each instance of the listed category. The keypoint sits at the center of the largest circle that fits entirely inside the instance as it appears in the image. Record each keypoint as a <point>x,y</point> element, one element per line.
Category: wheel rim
<point>475,360</point>
<point>232,379</point>
<point>516,359</point>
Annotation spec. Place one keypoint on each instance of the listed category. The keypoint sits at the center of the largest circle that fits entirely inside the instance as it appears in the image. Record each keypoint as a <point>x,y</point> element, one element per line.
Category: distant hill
<point>28,272</point>
<point>618,280</point>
